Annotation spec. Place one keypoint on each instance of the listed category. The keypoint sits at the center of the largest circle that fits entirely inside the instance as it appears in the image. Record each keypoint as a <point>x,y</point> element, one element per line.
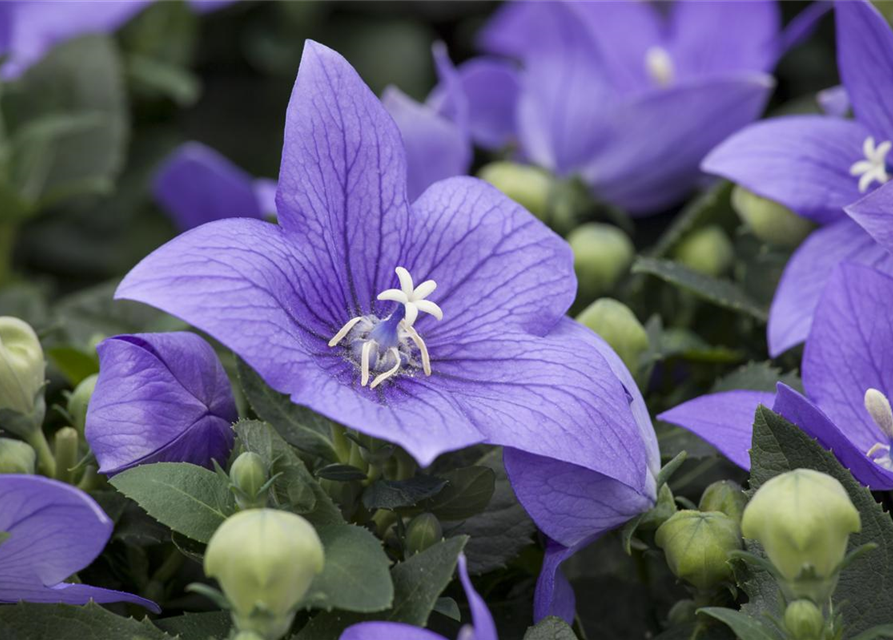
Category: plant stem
<point>7,244</point>
<point>46,463</point>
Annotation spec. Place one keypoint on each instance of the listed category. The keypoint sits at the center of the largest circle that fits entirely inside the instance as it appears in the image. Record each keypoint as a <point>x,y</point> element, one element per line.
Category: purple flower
<point>482,622</point>
<point>816,165</point>
<point>196,185</point>
<point>846,375</point>
<point>159,398</point>
<point>54,530</point>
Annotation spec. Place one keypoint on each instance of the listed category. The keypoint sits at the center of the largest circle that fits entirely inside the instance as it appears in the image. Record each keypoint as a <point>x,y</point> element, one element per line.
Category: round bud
<point>803,520</point>
<point>803,620</point>
<point>619,327</point>
<point>697,547</point>
<point>726,497</point>
<point>16,457</point>
<point>768,220</point>
<point>248,474</point>
<point>422,532</point>
<point>602,254</point>
<point>22,376</point>
<point>528,186</point>
<point>79,400</point>
<point>265,561</point>
<point>707,250</point>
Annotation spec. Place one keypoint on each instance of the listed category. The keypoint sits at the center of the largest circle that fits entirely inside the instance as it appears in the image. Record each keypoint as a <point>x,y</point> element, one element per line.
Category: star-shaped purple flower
<point>847,377</point>
<point>160,397</point>
<point>818,164</point>
<point>482,627</point>
<point>196,184</point>
<point>52,531</point>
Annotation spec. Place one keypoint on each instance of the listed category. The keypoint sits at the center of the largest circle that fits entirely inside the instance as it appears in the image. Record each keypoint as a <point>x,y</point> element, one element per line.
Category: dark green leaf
<point>468,493</point>
<point>757,376</point>
<point>745,627</point>
<point>448,607</point>
<point>713,206</point>
<point>550,628</point>
<point>67,622</point>
<point>75,364</point>
<point>880,631</point>
<point>340,473</point>
<point>395,494</point>
<point>212,625</point>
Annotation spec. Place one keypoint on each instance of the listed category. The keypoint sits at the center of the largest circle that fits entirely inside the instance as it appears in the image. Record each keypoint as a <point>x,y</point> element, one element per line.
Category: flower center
<point>385,347</point>
<point>878,408</point>
<point>659,66</point>
<point>874,167</point>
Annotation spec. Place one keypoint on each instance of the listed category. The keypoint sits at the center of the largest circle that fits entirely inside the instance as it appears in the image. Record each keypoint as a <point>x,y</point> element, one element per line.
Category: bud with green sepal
<point>803,620</point>
<point>602,255</point>
<point>698,547</point>
<point>619,327</point>
<point>79,400</point>
<point>726,497</point>
<point>528,186</point>
<point>250,481</point>
<point>769,221</point>
<point>422,532</point>
<point>16,457</point>
<point>707,250</point>
<point>265,561</point>
<point>803,520</point>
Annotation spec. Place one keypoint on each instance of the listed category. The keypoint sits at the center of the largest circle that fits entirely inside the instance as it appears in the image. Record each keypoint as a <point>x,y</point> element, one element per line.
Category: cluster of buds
<point>22,378</point>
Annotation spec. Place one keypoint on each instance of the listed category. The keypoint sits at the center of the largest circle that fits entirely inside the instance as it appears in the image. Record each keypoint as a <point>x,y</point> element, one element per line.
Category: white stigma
<point>659,66</point>
<point>874,166</point>
<point>412,298</point>
<point>878,407</point>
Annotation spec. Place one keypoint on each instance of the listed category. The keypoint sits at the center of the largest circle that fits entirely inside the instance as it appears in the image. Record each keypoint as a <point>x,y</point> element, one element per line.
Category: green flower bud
<point>249,475</point>
<point>697,546</point>
<point>22,376</point>
<point>79,400</point>
<point>422,532</point>
<point>803,520</point>
<point>768,220</point>
<point>528,186</point>
<point>726,497</point>
<point>265,561</point>
<point>619,327</point>
<point>803,620</point>
<point>602,254</point>
<point>16,457</point>
<point>65,446</point>
<point>707,250</point>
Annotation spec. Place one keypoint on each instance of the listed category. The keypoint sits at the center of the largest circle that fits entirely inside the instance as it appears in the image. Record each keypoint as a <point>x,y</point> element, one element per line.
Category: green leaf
<point>745,627</point>
<point>212,625</point>
<point>723,293</point>
<point>418,583</point>
<point>757,376</point>
<point>396,494</point>
<point>340,473</point>
<point>156,77</point>
<point>189,499</point>
<point>550,628</point>
<point>449,608</point>
<point>713,206</point>
<point>75,364</point>
<point>299,426</point>
<point>867,586</point>
<point>880,631</point>
<point>67,622</point>
<point>468,493</point>
<point>355,576</point>
<point>4,536</point>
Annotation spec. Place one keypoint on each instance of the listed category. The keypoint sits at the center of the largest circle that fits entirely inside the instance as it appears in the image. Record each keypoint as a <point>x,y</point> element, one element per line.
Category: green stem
<point>341,443</point>
<point>46,463</point>
<point>7,245</point>
<point>88,480</point>
<point>66,446</point>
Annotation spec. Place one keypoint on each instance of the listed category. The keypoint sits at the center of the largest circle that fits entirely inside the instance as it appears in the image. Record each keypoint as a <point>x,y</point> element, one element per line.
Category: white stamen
<point>364,362</point>
<point>338,337</point>
<point>412,298</point>
<point>381,377</point>
<point>878,408</point>
<point>660,66</point>
<point>423,348</point>
<point>874,166</point>
<point>884,460</point>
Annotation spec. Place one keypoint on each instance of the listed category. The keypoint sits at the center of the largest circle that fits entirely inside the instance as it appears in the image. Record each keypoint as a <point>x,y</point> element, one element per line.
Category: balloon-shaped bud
<point>726,497</point>
<point>528,186</point>
<point>619,327</point>
<point>265,561</point>
<point>769,221</point>
<point>707,250</point>
<point>803,520</point>
<point>22,376</point>
<point>602,255</point>
<point>16,457</point>
<point>249,477</point>
<point>803,620</point>
<point>422,532</point>
<point>697,546</point>
<point>79,400</point>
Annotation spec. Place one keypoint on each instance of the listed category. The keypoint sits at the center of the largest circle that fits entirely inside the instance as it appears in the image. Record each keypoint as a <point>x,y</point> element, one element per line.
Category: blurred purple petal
<point>874,213</point>
<point>803,24</point>
<point>388,631</point>
<point>159,397</point>
<point>265,194</point>
<point>484,628</point>
<point>834,101</point>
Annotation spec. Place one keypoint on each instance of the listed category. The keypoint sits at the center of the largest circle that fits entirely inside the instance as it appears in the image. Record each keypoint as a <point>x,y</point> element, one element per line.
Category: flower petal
<point>865,60</point>
<point>265,194</point>
<point>834,101</point>
<point>806,415</point>
<point>388,631</point>
<point>874,213</point>
<point>12,591</point>
<point>806,274</point>
<point>484,628</point>
<point>197,185</point>
<point>847,350</point>
<point>492,88</point>
<point>802,162</point>
<point>554,595</point>
<point>723,419</point>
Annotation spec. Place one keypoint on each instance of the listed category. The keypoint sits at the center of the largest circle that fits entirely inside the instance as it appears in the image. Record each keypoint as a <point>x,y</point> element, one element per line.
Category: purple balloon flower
<point>160,397</point>
<point>196,184</point>
<point>816,165</point>
<point>846,375</point>
<point>482,627</point>
<point>54,530</point>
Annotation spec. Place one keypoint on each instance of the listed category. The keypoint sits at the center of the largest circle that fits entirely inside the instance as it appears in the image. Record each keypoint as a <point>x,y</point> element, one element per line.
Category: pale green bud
<point>619,327</point>
<point>803,520</point>
<point>422,532</point>
<point>65,445</point>
<point>265,561</point>
<point>16,457</point>
<point>79,400</point>
<point>803,620</point>
<point>697,546</point>
<point>726,497</point>
<point>769,221</point>
<point>707,250</point>
<point>22,376</point>
<point>602,255</point>
<point>528,186</point>
<point>249,475</point>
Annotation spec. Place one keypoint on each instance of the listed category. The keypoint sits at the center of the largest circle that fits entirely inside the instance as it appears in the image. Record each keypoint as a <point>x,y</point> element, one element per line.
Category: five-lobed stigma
<point>874,167</point>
